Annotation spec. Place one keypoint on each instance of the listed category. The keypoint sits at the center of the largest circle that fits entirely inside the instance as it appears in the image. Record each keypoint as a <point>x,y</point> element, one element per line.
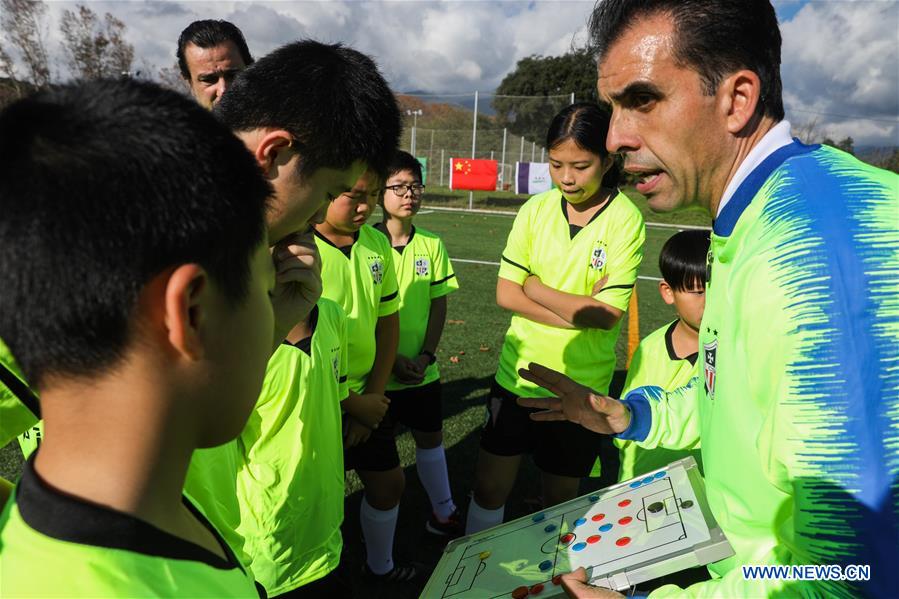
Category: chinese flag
<point>473,173</point>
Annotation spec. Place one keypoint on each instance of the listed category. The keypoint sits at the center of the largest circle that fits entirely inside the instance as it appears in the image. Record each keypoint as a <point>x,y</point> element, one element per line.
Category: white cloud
<point>841,67</point>
<point>433,46</point>
<point>840,58</point>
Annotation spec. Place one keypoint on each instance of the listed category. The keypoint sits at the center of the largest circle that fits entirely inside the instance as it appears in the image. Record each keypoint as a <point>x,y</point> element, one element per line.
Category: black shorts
<point>560,448</point>
<point>418,408</point>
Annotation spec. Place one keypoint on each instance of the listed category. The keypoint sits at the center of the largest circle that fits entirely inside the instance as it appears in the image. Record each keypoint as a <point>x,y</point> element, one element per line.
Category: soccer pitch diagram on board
<point>625,534</point>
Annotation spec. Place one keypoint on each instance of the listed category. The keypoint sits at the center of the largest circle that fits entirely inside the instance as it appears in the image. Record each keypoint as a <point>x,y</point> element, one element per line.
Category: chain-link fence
<point>507,129</point>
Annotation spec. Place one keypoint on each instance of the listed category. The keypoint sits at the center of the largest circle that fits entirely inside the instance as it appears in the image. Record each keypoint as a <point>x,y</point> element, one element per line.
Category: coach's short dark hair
<point>684,259</point>
<point>713,37</point>
<point>331,98</point>
<point>209,33</point>
<point>404,161</point>
<point>587,125</point>
<point>104,185</point>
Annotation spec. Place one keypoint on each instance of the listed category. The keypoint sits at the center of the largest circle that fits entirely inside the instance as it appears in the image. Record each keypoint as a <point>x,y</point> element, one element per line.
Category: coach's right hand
<point>573,402</point>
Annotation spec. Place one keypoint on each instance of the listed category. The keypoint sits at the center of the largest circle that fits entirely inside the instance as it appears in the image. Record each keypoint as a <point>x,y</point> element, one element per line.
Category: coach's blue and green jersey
<point>798,390</point>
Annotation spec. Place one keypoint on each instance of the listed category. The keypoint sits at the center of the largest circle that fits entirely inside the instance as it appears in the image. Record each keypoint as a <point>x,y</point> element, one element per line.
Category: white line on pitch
<point>507,213</point>
<point>486,263</point>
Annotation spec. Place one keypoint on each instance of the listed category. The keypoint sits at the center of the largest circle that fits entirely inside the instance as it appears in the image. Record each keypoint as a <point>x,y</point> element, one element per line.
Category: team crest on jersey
<point>376,266</point>
<point>598,257</point>
<point>710,353</point>
<point>422,267</point>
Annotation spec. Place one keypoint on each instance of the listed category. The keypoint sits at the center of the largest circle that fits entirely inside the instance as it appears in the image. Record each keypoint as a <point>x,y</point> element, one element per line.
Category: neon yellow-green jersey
<point>541,243</point>
<point>211,483</point>
<point>291,487</point>
<point>361,279</point>
<point>19,409</point>
<point>655,363</point>
<point>423,273</point>
<point>54,545</point>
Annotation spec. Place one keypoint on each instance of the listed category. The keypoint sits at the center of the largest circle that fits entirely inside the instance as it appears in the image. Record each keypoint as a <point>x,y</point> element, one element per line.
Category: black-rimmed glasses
<point>402,189</point>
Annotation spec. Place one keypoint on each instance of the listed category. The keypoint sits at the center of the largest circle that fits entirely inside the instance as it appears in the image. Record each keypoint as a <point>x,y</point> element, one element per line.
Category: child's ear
<point>666,292</point>
<point>272,150</point>
<point>186,306</point>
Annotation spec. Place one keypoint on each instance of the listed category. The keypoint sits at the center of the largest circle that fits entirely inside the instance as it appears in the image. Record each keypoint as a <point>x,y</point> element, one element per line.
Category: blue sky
<point>787,9</point>
<point>840,57</point>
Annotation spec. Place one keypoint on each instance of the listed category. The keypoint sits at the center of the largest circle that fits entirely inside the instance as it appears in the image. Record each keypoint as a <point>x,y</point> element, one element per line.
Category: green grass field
<point>473,334</point>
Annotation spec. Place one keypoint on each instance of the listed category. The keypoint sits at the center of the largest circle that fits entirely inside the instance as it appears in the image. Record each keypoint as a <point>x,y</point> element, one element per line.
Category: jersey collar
<point>575,229</point>
<point>345,250</point>
<point>669,346</point>
<point>305,344</point>
<point>68,518</point>
<point>381,228</point>
<point>765,157</point>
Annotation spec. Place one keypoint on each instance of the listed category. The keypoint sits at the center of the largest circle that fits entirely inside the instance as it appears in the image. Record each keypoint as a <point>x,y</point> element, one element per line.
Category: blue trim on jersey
<point>641,415</point>
<point>727,220</point>
<point>837,268</point>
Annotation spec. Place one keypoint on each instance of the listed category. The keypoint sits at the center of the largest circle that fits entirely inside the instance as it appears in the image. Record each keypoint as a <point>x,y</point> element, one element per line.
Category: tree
<point>171,78</point>
<point>94,49</point>
<point>891,163</point>
<point>847,145</point>
<point>22,24</point>
<point>552,79</point>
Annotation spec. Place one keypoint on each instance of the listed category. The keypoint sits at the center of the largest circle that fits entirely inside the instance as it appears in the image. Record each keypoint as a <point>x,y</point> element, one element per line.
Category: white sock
<point>431,466</point>
<point>378,527</point>
<point>481,519</point>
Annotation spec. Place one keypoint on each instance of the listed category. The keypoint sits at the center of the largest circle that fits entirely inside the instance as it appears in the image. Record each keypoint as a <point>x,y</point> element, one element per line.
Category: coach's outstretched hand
<point>573,402</point>
<point>575,586</point>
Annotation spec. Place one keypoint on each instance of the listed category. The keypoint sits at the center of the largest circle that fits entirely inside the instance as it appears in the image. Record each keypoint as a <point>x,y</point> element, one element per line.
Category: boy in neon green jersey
<point>797,405</point>
<point>666,357</point>
<point>342,117</point>
<point>358,273</point>
<point>425,277</point>
<point>290,483</point>
<point>161,334</point>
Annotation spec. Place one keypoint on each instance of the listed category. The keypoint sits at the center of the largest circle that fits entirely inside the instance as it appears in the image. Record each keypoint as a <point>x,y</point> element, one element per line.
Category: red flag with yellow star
<point>474,174</point>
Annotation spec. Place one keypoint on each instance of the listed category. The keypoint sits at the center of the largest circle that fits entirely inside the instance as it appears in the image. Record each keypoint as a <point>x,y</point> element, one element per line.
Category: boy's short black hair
<point>331,98</point>
<point>713,37</point>
<point>209,33</point>
<point>683,260</point>
<point>104,185</point>
<point>404,161</point>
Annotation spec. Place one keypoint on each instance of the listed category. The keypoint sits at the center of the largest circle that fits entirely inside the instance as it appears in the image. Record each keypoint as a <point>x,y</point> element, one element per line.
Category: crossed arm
<point>540,303</point>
